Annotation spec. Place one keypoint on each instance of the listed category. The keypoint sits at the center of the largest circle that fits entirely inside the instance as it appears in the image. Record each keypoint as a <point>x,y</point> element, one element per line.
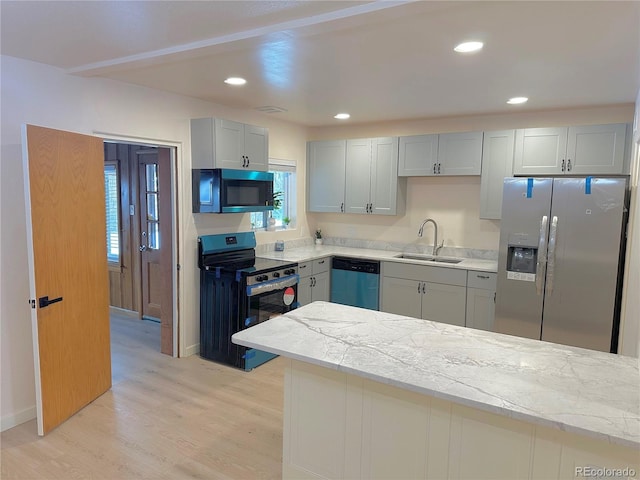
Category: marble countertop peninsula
<point>307,253</point>
<point>577,390</point>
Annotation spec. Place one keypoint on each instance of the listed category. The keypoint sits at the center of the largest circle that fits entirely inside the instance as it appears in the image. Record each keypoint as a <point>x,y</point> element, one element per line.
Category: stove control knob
<point>264,278</point>
<point>260,278</point>
<point>276,274</point>
<point>289,271</point>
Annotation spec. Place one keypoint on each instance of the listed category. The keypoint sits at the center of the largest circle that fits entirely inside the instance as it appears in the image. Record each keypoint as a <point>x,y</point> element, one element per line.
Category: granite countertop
<point>568,388</point>
<point>304,254</point>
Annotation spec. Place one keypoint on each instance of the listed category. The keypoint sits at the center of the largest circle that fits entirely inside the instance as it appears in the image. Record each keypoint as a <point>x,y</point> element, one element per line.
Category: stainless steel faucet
<point>436,247</point>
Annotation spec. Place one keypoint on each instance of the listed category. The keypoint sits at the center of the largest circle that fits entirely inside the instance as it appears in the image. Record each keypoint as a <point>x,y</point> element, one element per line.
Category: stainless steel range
<point>238,290</point>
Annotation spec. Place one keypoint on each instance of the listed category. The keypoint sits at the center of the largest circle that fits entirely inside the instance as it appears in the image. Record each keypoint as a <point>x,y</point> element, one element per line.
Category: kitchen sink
<point>427,258</point>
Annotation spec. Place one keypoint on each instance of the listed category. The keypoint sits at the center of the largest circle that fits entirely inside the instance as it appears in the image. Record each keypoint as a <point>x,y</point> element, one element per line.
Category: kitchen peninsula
<point>375,395</point>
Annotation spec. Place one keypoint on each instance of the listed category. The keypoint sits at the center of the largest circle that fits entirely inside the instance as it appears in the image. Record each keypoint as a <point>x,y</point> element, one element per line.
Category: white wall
<point>630,321</point>
<point>42,95</point>
<point>453,201</point>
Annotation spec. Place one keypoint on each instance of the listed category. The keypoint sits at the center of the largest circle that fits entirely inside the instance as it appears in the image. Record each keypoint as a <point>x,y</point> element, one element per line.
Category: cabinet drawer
<point>425,273</point>
<point>321,265</point>
<point>483,280</point>
<point>304,268</point>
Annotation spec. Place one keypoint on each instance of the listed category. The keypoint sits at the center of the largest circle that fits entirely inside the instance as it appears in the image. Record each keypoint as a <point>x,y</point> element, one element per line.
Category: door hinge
<point>32,303</point>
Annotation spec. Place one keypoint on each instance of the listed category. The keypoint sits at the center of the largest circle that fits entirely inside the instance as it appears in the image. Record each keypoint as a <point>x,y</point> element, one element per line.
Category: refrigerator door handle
<point>551,260</point>
<point>542,254</point>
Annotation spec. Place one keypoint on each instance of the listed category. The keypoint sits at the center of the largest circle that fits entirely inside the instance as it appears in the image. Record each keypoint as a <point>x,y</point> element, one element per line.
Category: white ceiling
<point>378,61</point>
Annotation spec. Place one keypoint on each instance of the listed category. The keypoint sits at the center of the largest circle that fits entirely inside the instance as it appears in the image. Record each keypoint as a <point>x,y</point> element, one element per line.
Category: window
<point>284,189</point>
<point>111,188</point>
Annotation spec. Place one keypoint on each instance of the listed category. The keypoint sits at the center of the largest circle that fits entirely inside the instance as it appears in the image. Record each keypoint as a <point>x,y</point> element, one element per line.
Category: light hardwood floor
<point>164,418</point>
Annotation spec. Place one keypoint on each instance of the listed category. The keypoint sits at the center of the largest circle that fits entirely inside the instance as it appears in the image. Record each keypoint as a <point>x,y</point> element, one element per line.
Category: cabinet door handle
<point>434,168</point>
<point>482,276</point>
<point>494,297</point>
<point>568,165</point>
<point>438,169</point>
<point>342,207</point>
<point>302,266</point>
<point>321,262</point>
<point>248,161</point>
<point>419,285</point>
<point>424,288</point>
<point>562,165</point>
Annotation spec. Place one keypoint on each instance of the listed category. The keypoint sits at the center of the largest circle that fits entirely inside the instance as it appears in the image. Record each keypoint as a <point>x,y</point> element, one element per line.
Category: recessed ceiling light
<point>342,116</point>
<point>517,100</point>
<point>468,47</point>
<point>235,81</point>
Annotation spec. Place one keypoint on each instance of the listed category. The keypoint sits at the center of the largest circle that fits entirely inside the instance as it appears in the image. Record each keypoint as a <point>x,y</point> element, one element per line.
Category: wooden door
<point>156,218</point>
<point>65,206</point>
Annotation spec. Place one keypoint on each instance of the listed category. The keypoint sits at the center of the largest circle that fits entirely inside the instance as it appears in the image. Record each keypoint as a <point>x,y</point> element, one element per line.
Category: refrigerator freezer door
<point>522,256</point>
<point>580,299</point>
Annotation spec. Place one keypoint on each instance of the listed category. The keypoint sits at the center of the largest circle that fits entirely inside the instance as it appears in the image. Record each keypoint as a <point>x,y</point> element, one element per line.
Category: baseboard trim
<point>124,312</point>
<point>192,350</point>
<point>16,419</point>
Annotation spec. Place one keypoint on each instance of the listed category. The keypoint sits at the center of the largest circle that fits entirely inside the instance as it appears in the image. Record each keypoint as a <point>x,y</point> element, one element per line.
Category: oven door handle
<point>271,285</point>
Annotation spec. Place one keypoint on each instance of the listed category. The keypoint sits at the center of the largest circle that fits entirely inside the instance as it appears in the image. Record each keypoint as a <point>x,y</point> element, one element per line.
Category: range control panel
<point>262,277</point>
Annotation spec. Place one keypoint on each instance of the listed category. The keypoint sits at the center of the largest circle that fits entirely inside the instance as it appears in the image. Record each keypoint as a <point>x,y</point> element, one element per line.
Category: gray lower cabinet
<point>481,300</point>
<point>420,291</point>
<point>314,281</point>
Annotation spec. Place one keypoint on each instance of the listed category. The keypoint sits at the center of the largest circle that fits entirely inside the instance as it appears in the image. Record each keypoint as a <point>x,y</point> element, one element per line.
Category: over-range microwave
<point>222,190</point>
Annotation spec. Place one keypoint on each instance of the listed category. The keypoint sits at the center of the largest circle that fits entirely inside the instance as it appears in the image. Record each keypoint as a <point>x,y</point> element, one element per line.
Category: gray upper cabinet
<point>372,176</point>
<point>418,155</point>
<point>497,163</point>
<point>582,150</point>
<point>357,195</point>
<point>326,175</point>
<point>596,149</point>
<point>443,154</point>
<point>354,176</point>
<point>219,143</point>
<point>385,198</point>
<point>460,153</point>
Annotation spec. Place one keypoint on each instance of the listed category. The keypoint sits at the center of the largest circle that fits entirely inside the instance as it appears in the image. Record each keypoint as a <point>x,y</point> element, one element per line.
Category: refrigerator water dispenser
<point>522,259</point>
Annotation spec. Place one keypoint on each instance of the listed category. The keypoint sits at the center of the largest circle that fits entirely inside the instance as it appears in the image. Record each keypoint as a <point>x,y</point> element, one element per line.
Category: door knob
<point>45,302</point>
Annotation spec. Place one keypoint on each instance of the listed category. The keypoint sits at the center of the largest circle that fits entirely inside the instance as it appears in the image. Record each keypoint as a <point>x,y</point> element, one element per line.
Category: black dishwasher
<point>355,282</point>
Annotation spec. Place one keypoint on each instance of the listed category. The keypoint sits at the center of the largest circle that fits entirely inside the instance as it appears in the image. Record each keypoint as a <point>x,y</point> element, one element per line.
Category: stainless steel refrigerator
<point>560,260</point>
